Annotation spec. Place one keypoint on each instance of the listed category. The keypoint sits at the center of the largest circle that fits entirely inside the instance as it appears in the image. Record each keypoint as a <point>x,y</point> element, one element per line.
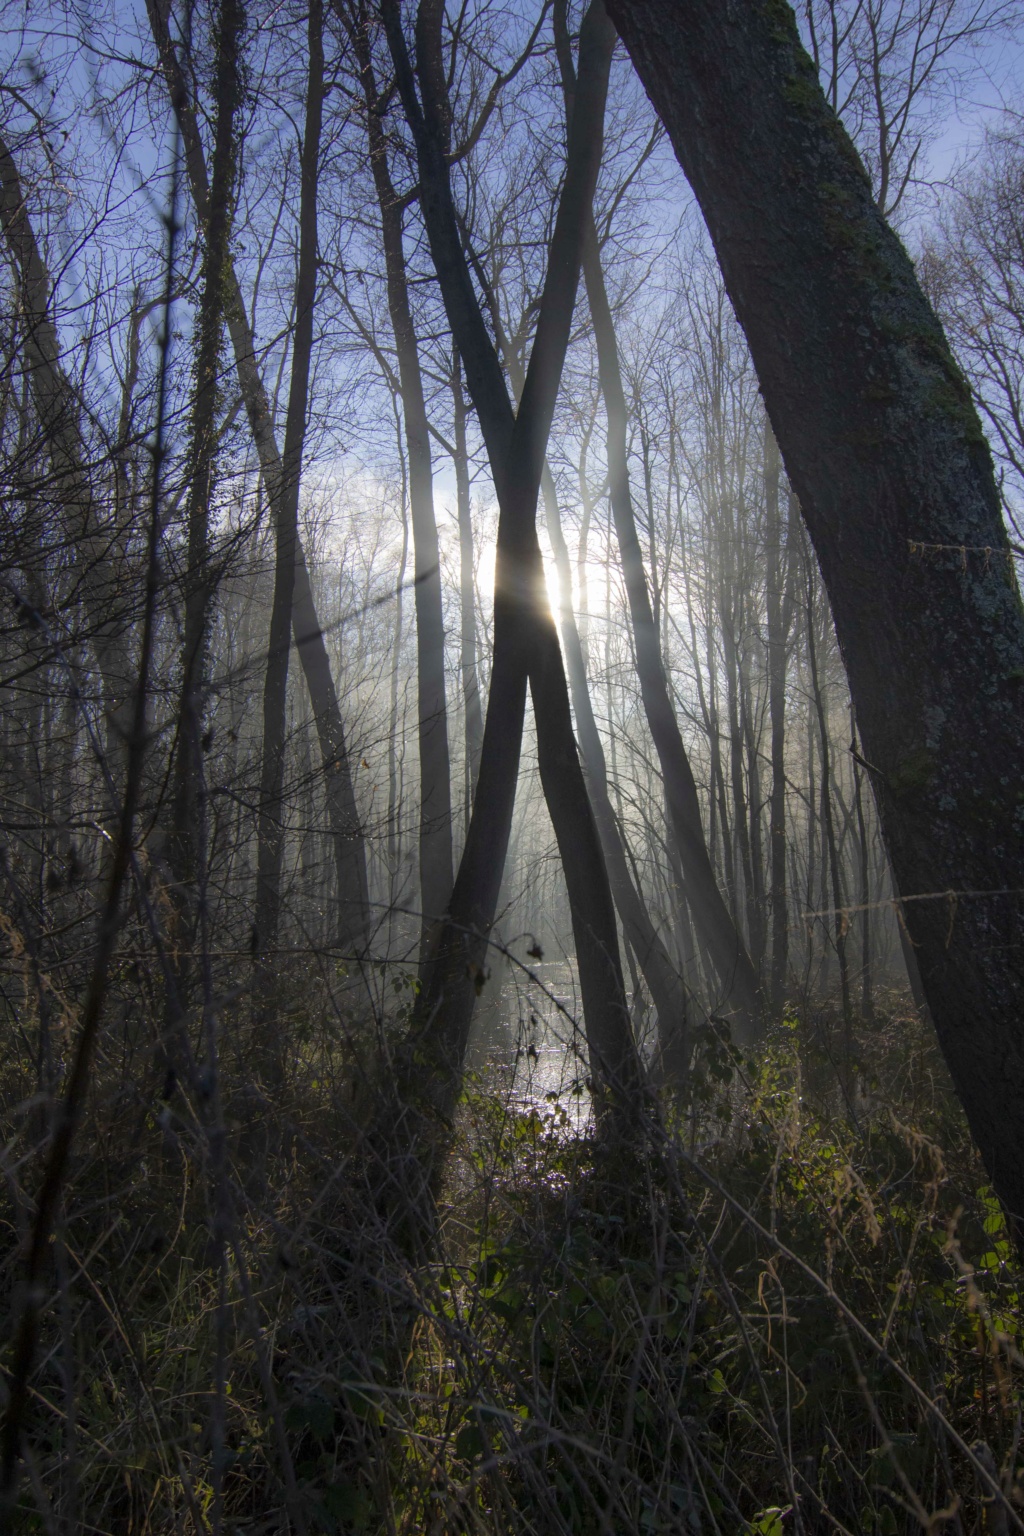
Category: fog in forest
<point>511,834</point>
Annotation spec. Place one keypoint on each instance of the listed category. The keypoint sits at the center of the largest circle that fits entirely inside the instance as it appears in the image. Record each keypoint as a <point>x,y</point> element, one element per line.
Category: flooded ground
<point>527,1042</point>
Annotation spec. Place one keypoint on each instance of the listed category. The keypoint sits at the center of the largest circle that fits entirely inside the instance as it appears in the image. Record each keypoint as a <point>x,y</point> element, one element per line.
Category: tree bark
<point>732,963</point>
<point>779,605</point>
<point>467,592</point>
<point>830,853</point>
<point>885,452</point>
<point>664,983</point>
<point>864,867</point>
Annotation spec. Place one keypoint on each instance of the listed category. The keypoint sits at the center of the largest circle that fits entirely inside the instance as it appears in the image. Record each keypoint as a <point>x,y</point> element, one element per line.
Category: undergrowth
<point>788,1313</point>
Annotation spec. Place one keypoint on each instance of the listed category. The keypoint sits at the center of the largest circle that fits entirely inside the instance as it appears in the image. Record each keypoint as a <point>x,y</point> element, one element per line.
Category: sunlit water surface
<point>528,1045</point>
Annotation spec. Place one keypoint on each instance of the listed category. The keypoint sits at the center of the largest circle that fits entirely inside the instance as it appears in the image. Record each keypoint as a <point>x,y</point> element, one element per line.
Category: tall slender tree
<point>270,824</point>
<point>435,840</point>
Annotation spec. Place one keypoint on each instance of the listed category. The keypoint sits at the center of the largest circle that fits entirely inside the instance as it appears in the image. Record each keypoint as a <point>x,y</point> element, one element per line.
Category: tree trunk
<point>525,640</point>
<point>663,980</point>
<point>343,814</point>
<point>467,592</point>
<point>884,449</point>
<point>736,974</point>
<point>864,862</point>
<point>732,963</point>
<point>839,922</point>
<point>778,601</point>
<point>60,425</point>
<point>435,840</point>
<point>188,812</point>
<point>664,983</point>
<point>394,824</point>
<point>270,823</point>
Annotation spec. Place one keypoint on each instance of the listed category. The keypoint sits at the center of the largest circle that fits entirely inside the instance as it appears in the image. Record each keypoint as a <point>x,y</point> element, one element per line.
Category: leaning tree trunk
<point>60,424</point>
<point>664,982</point>
<point>884,449</point>
<point>525,639</point>
<point>736,973</point>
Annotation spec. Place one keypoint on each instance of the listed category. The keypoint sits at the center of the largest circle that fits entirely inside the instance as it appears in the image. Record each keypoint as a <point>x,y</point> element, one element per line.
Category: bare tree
<point>884,449</point>
<point>525,643</point>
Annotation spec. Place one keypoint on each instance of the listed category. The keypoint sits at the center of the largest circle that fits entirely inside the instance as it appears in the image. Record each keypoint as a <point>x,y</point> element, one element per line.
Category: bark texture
<point>885,452</point>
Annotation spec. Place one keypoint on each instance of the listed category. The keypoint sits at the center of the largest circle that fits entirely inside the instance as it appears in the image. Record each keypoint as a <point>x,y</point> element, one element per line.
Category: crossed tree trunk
<point>525,640</point>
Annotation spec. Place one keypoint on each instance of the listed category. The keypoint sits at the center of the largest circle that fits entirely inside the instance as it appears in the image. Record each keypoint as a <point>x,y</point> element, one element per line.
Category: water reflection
<point>527,1043</point>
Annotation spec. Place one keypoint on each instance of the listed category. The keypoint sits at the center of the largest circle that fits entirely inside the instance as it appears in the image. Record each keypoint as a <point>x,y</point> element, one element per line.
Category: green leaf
<point>315,1416</point>
<point>344,1501</point>
<point>469,1442</point>
<point>768,1522</point>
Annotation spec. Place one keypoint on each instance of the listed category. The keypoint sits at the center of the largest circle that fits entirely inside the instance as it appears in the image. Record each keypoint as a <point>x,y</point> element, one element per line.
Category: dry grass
<point>780,1316</point>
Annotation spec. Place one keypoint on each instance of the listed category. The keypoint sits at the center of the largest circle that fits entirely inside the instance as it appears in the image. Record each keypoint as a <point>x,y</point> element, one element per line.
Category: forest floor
<point>788,1313</point>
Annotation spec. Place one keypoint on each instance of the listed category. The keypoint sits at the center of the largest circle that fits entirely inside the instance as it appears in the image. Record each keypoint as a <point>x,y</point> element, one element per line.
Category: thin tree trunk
<point>664,983</point>
<point>435,839</point>
<point>839,922</point>
<point>188,813</point>
<point>755,809</point>
<point>863,854</point>
<point>737,784</point>
<point>779,604</point>
<point>60,425</point>
<point>735,971</point>
<point>731,961</point>
<point>353,917</point>
<point>270,823</point>
<point>467,592</point>
<point>394,829</point>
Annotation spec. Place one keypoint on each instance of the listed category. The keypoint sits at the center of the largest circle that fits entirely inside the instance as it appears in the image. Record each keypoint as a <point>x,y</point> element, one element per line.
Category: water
<point>528,1045</point>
